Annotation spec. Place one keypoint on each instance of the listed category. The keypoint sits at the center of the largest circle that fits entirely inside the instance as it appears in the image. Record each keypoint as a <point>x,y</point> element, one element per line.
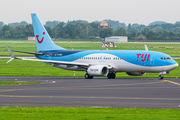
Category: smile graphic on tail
<point>37,36</point>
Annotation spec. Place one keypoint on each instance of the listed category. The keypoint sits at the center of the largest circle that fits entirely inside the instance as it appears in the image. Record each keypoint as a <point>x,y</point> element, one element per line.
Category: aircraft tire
<point>111,76</point>
<point>90,77</point>
<point>161,77</point>
<point>87,76</point>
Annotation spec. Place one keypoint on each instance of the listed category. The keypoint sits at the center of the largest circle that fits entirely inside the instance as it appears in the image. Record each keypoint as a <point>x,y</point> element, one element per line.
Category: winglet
<point>146,48</point>
<point>11,54</point>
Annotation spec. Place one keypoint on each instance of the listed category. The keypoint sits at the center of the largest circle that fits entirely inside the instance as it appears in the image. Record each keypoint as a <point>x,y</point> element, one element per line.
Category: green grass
<point>62,113</point>
<point>170,49</point>
<point>32,68</point>
<point>3,83</point>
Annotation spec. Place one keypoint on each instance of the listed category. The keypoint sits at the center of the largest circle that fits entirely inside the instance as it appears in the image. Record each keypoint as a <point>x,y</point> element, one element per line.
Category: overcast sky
<point>127,11</point>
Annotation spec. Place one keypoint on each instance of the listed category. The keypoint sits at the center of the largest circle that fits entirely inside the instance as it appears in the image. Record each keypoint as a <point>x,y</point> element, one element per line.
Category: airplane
<point>96,62</point>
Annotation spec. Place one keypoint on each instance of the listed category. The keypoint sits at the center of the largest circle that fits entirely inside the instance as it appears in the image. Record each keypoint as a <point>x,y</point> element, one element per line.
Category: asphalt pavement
<point>98,92</point>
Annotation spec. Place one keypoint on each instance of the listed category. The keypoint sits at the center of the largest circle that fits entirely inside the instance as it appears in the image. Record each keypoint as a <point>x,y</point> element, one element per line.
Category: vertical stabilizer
<point>43,40</point>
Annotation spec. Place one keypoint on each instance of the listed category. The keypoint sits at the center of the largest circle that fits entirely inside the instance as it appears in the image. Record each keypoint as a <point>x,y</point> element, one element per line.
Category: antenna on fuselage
<point>146,48</point>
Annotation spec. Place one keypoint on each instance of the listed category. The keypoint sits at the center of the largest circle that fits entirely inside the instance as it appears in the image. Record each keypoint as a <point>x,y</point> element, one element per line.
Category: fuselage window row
<point>105,58</point>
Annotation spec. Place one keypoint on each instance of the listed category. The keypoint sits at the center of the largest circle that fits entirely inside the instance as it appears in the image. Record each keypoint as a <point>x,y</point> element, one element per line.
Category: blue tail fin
<point>43,40</point>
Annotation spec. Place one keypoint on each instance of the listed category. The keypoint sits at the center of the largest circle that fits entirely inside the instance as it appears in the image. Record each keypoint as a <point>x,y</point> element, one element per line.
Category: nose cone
<point>173,64</point>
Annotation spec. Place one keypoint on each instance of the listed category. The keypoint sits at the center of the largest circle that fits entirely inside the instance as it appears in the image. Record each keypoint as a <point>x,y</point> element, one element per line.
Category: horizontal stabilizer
<point>11,54</point>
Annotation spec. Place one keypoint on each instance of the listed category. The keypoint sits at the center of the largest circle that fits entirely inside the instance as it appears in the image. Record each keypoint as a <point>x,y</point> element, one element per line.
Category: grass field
<point>170,49</point>
<point>61,113</point>
<point>32,68</point>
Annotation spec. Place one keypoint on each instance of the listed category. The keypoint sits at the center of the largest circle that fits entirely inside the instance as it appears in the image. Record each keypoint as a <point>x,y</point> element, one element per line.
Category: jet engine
<point>97,70</point>
<point>136,73</point>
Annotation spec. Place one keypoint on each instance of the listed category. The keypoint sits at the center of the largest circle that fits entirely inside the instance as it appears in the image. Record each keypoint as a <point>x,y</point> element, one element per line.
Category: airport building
<point>117,39</point>
<point>104,25</point>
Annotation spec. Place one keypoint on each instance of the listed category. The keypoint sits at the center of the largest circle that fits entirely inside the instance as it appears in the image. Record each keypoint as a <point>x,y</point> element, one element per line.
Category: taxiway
<point>97,92</point>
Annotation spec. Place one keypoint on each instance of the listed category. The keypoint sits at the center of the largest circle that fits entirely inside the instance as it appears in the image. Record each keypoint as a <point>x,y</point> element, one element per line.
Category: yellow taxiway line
<point>172,82</point>
<point>83,97</point>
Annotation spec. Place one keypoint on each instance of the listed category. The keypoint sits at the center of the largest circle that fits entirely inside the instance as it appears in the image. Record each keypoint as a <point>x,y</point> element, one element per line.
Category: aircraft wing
<point>58,62</point>
<point>27,52</point>
<point>85,65</point>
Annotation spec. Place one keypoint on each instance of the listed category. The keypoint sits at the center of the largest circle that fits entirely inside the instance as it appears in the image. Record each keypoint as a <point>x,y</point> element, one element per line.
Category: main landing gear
<point>111,75</point>
<point>87,76</point>
<point>161,77</point>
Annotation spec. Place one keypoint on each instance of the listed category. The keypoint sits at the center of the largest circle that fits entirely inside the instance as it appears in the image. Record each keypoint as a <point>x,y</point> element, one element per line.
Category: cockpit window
<point>166,58</point>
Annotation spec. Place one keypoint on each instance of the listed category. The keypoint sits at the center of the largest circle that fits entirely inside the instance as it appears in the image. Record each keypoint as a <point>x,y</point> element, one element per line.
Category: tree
<point>70,30</point>
<point>51,24</point>
<point>120,32</point>
<point>59,30</point>
<point>151,35</point>
<point>122,25</point>
<point>105,33</point>
<point>112,23</point>
<point>7,34</point>
<point>134,30</point>
<point>6,27</point>
<point>23,23</point>
<point>29,30</point>
<point>78,21</point>
<point>1,33</point>
<point>1,25</point>
<point>145,31</point>
<point>157,23</point>
<point>95,29</point>
<point>49,30</point>
<point>176,30</point>
<point>129,28</point>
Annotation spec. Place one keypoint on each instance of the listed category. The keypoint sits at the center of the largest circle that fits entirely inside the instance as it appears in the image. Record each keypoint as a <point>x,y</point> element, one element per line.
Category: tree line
<point>79,29</point>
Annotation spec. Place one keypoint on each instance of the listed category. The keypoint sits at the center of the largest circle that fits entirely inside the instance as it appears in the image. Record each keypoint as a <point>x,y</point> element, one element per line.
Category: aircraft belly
<point>129,67</point>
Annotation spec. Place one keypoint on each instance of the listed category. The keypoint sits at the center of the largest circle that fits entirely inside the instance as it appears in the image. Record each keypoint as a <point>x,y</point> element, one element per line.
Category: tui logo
<point>143,59</point>
<point>40,41</point>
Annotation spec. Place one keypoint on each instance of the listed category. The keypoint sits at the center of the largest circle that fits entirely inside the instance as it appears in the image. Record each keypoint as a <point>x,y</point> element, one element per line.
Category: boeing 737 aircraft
<point>97,62</point>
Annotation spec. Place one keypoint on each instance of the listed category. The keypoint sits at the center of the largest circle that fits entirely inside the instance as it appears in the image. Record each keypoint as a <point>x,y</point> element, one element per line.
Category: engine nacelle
<point>97,70</point>
<point>136,73</point>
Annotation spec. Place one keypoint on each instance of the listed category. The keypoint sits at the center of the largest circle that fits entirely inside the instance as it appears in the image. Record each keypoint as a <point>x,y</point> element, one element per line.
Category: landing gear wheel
<point>111,76</point>
<point>87,76</point>
<point>90,77</point>
<point>161,77</point>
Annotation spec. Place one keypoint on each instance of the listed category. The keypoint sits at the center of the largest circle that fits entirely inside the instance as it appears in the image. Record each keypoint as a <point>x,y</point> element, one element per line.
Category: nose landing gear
<point>161,77</point>
<point>162,73</point>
